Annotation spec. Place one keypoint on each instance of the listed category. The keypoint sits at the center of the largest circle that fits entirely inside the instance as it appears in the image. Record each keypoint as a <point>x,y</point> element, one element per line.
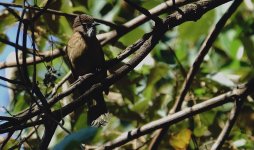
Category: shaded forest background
<point>183,54</point>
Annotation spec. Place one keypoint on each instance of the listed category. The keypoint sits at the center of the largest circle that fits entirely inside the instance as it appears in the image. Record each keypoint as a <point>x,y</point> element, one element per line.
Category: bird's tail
<point>97,111</point>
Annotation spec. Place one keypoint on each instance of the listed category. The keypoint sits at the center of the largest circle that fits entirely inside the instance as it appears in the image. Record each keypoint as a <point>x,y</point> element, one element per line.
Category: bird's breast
<point>85,54</point>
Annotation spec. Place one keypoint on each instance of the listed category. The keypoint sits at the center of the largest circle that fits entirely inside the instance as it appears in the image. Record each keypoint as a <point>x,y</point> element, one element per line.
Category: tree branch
<point>239,92</point>
<point>44,57</point>
<point>144,11</point>
<point>55,12</point>
<point>105,37</point>
<point>171,21</point>
<point>204,49</point>
<point>167,6</point>
<point>98,84</point>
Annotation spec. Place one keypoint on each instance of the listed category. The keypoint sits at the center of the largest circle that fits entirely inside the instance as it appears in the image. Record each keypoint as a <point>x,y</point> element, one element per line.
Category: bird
<point>85,56</point>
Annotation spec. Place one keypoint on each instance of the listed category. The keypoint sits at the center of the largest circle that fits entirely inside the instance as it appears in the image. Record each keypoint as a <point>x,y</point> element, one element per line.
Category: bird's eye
<point>88,25</point>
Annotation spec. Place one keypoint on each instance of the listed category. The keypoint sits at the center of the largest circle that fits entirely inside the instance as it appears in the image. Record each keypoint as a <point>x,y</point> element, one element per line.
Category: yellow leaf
<point>181,140</point>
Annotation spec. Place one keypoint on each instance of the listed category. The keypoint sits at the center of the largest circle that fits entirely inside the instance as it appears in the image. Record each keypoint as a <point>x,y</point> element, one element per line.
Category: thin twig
<point>44,57</point>
<point>8,87</point>
<point>16,127</point>
<point>24,139</point>
<point>55,12</point>
<point>6,139</point>
<point>41,11</point>
<point>144,11</point>
<point>30,51</point>
<point>11,81</point>
<point>132,24</point>
<point>229,125</point>
<point>59,84</point>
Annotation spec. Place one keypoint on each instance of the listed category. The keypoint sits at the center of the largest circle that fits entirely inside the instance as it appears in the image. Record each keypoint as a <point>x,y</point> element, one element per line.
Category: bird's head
<point>86,24</point>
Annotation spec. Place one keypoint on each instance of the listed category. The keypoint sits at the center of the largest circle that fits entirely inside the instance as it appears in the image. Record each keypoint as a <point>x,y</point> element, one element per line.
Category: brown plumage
<point>86,56</point>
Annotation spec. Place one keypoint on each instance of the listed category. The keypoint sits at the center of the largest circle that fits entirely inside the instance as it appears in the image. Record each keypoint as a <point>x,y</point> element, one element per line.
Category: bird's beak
<point>95,24</point>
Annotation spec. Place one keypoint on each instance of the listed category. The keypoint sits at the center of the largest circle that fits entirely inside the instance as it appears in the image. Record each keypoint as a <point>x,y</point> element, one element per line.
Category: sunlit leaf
<point>9,144</point>
<point>222,79</point>
<point>132,36</point>
<point>65,29</point>
<point>191,32</point>
<point>7,20</point>
<point>81,122</point>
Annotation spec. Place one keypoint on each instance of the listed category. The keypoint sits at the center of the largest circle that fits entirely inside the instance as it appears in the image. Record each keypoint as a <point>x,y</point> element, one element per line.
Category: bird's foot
<point>102,120</point>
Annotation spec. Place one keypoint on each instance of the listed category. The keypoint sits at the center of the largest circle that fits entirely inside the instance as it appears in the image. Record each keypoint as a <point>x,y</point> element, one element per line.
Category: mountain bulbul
<point>86,56</point>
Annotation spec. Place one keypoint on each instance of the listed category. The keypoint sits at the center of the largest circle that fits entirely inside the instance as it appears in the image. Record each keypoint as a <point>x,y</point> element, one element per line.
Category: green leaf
<point>141,105</point>
<point>248,44</point>
<point>21,102</point>
<point>229,43</point>
<point>2,45</point>
<point>158,72</point>
<point>66,6</point>
<point>191,32</point>
<point>150,4</point>
<point>79,124</point>
<point>207,118</point>
<point>9,144</point>
<point>79,9</point>
<point>132,36</point>
<point>65,29</point>
<point>199,131</point>
<point>6,21</point>
<point>95,6</point>
<point>222,79</point>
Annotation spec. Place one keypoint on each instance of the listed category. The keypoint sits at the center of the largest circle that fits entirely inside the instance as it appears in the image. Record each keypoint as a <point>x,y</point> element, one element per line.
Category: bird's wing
<point>75,41</point>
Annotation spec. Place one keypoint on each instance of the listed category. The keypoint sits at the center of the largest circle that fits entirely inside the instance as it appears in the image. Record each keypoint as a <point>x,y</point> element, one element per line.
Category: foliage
<point>150,90</point>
